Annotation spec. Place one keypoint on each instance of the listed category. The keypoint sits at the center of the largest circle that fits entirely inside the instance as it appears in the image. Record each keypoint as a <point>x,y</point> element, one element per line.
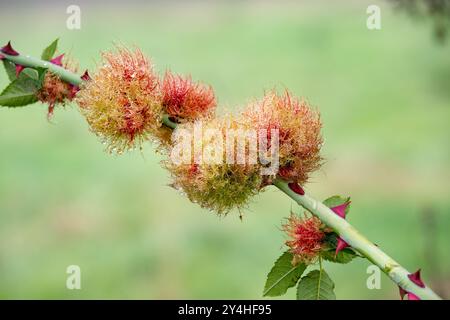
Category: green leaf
<point>31,73</point>
<point>337,201</point>
<point>48,52</point>
<point>34,73</point>
<point>20,92</point>
<point>316,285</point>
<point>41,74</point>
<point>283,276</point>
<point>344,256</point>
<point>10,68</point>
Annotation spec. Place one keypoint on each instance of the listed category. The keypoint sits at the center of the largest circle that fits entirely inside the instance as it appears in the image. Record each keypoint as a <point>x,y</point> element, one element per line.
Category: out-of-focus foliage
<point>438,11</point>
<point>385,105</point>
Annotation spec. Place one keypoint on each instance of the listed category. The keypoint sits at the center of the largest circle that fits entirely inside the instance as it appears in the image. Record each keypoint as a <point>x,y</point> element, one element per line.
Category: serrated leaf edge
<point>279,280</point>
<point>317,293</point>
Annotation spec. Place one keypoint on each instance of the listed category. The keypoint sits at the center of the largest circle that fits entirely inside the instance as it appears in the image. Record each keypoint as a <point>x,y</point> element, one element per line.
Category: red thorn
<point>412,296</point>
<point>403,292</point>
<point>2,57</point>
<point>296,188</point>
<point>8,49</point>
<point>415,277</point>
<point>19,69</point>
<point>86,76</point>
<point>340,209</point>
<point>58,60</point>
<point>340,245</point>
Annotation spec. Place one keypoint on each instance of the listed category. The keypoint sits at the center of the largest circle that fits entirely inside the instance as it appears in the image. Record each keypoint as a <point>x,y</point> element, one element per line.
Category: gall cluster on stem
<point>125,101</point>
<point>120,102</point>
<point>186,100</point>
<point>299,128</point>
<point>219,186</point>
<point>55,91</point>
<point>306,238</point>
<point>222,187</point>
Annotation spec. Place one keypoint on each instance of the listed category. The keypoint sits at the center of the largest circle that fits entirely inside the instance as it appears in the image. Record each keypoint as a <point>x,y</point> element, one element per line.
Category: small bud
<point>340,209</point>
<point>19,69</point>
<point>415,277</point>
<point>296,188</point>
<point>340,246</point>
<point>8,49</point>
<point>85,76</point>
<point>2,57</point>
<point>58,60</point>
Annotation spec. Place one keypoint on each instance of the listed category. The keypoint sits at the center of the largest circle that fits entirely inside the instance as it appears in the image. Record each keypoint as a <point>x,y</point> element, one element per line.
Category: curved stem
<point>349,234</point>
<point>361,244</point>
<point>28,61</point>
<point>389,266</point>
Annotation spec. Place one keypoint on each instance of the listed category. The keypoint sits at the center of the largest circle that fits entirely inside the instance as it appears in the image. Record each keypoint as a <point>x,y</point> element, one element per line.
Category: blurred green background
<point>384,96</point>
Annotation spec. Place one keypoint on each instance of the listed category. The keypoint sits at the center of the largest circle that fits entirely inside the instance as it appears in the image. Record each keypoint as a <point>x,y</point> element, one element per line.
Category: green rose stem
<point>357,241</point>
<point>349,234</point>
<point>27,61</point>
<point>345,230</point>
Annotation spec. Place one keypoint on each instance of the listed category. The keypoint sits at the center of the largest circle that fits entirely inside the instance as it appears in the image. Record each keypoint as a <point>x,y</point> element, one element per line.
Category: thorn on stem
<point>296,188</point>
<point>340,209</point>
<point>86,76</point>
<point>341,244</point>
<point>415,277</point>
<point>403,292</point>
<point>19,69</point>
<point>8,49</point>
<point>58,60</point>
